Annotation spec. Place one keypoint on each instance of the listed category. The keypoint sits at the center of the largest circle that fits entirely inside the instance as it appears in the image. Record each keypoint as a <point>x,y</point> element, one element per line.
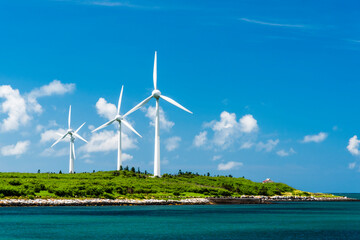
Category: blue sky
<point>273,86</point>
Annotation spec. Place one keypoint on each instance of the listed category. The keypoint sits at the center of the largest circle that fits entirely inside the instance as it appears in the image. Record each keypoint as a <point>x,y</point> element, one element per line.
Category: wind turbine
<point>157,95</point>
<point>72,134</point>
<point>120,119</point>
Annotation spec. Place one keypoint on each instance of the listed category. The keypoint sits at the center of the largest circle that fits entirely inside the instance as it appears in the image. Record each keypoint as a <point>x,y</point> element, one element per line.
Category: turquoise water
<point>308,220</point>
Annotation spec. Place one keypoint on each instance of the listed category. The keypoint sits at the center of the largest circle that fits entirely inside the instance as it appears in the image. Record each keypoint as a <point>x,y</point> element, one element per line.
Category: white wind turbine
<point>157,95</point>
<point>72,134</point>
<point>120,119</point>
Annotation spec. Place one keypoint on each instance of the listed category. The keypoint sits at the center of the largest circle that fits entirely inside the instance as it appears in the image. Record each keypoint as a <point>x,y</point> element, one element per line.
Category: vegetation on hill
<point>133,184</point>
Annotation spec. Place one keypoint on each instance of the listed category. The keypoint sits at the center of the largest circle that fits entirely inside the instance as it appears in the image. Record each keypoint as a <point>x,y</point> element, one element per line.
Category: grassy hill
<point>131,184</point>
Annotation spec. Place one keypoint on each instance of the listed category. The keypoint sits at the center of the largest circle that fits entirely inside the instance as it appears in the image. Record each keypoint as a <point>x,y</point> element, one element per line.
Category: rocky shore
<point>99,202</point>
<point>187,201</point>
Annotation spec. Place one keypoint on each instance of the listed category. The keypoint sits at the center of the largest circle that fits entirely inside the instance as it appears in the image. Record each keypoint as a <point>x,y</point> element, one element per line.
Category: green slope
<point>129,184</point>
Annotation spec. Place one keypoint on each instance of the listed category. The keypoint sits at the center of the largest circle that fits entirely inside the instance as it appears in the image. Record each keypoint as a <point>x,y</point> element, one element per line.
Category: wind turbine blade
<point>138,106</point>
<point>69,119</point>
<point>104,125</point>
<point>59,134</point>
<point>119,103</point>
<point>61,138</point>
<point>80,137</point>
<point>155,72</point>
<point>131,128</point>
<point>174,103</point>
<point>80,127</point>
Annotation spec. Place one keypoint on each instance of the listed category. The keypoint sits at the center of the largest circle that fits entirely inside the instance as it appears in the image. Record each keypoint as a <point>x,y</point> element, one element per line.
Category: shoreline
<point>148,202</point>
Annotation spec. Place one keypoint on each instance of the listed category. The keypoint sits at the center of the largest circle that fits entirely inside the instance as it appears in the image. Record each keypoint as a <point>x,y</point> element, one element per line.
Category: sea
<point>297,220</point>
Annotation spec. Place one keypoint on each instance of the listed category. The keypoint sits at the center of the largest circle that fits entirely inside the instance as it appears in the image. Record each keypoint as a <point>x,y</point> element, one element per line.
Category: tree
<point>133,169</point>
<point>39,171</point>
<point>208,174</point>
<point>60,172</point>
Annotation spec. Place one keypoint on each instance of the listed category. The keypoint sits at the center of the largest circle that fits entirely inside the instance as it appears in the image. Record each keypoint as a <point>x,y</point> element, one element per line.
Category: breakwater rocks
<point>267,200</point>
<point>99,202</point>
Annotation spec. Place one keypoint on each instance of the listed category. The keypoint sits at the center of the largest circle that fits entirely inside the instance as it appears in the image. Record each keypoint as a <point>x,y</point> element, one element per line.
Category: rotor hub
<point>156,94</point>
<point>118,117</point>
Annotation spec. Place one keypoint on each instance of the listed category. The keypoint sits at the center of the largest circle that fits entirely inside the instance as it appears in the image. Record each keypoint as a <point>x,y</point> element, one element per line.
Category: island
<point>133,187</point>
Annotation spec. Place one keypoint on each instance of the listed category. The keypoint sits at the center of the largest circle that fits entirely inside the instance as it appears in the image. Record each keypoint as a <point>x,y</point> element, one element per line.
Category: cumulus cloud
<point>284,153</point>
<point>106,141</point>
<point>15,107</point>
<point>19,108</point>
<point>172,143</point>
<point>15,150</point>
<point>353,145</point>
<point>126,157</point>
<point>200,139</point>
<point>53,88</point>
<point>315,138</point>
<point>105,109</point>
<point>229,165</point>
<point>52,135</point>
<point>228,129</point>
<point>248,123</point>
<point>165,124</point>
<point>268,146</point>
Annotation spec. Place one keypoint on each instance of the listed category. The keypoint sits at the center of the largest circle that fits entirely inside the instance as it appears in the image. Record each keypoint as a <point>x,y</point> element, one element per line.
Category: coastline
<point>143,202</point>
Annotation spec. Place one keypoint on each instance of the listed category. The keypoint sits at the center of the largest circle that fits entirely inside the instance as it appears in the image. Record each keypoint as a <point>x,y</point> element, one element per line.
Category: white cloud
<point>352,165</point>
<point>15,107</point>
<point>229,165</point>
<point>18,107</point>
<point>106,141</point>
<point>272,24</point>
<point>228,129</point>
<point>126,157</point>
<point>39,127</point>
<point>105,109</point>
<point>246,145</point>
<point>91,127</point>
<point>200,139</point>
<point>216,157</point>
<point>284,153</point>
<point>165,124</point>
<point>315,138</point>
<point>353,145</point>
<point>53,88</point>
<point>268,146</point>
<point>248,123</point>
<point>51,135</point>
<point>15,150</point>
<point>172,143</point>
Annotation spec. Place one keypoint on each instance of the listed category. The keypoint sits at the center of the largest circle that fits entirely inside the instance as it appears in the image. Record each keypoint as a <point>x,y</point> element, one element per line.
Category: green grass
<point>129,184</point>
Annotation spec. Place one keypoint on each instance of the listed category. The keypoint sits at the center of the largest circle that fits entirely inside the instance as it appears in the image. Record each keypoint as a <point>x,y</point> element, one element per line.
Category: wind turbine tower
<point>120,119</point>
<point>157,95</point>
<point>72,134</point>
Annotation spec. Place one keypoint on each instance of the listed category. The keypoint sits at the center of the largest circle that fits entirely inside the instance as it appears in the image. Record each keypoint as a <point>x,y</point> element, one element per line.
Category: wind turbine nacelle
<point>118,118</point>
<point>70,130</point>
<point>156,94</point>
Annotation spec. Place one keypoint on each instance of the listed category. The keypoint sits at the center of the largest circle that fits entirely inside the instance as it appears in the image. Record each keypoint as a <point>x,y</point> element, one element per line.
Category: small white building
<point>268,180</point>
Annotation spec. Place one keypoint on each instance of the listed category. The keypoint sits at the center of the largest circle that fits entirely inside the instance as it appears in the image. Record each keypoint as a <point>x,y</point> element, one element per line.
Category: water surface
<point>303,220</point>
